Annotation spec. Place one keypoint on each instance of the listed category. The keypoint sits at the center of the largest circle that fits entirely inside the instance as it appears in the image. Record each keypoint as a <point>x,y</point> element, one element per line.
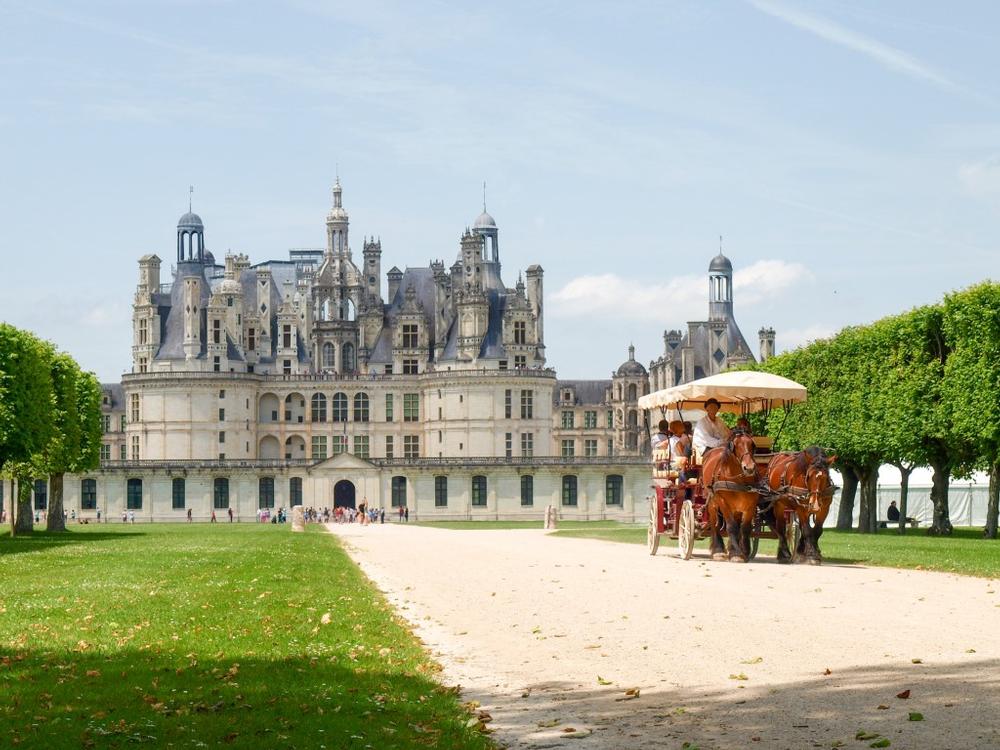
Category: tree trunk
<point>25,522</point>
<point>993,505</point>
<point>845,516</point>
<point>867,518</point>
<point>55,519</point>
<point>941,524</point>
<point>13,508</point>
<point>904,493</point>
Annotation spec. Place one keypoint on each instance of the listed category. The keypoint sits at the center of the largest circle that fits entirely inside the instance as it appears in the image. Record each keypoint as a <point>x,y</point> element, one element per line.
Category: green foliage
<point>88,395</point>
<point>26,397</point>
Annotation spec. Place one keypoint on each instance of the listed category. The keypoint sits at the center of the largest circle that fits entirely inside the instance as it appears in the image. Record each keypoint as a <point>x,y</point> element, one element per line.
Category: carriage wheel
<point>652,537</point>
<point>754,543</point>
<point>686,532</point>
<point>793,533</point>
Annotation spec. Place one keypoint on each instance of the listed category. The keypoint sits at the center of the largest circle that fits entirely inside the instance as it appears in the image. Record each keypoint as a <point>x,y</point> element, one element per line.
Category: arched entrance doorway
<point>343,494</point>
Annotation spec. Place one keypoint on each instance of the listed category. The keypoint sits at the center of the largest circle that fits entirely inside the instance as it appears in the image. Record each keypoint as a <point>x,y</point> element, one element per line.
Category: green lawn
<point>964,552</point>
<point>208,636</point>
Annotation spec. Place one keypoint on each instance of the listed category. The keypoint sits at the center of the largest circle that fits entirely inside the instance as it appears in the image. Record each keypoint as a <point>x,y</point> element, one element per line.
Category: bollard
<point>298,518</point>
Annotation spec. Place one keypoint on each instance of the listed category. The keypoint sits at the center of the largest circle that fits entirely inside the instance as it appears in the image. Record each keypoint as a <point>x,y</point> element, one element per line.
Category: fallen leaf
<point>880,742</point>
<point>602,681</point>
<point>827,671</point>
<point>916,661</point>
<point>739,676</point>
<point>904,695</point>
<point>755,660</point>
<point>548,723</point>
<point>576,734</point>
<point>325,619</point>
<point>882,707</point>
<point>915,716</point>
<point>863,735</point>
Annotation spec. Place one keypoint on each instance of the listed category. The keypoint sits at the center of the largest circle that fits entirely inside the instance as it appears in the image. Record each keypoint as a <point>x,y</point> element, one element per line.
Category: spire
<point>484,196</point>
<point>631,352</point>
<point>337,193</point>
<point>190,196</point>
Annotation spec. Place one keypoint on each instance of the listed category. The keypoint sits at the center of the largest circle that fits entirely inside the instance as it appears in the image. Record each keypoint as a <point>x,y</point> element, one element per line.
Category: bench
<point>913,523</point>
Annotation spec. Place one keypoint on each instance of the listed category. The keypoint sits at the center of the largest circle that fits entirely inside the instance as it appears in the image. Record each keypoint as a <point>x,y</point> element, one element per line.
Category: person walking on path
<point>406,514</point>
<point>214,519</point>
<point>189,515</point>
<point>400,513</point>
<point>230,515</point>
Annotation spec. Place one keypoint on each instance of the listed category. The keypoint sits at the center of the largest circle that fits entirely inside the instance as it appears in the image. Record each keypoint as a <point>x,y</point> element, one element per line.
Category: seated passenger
<point>710,432</point>
<point>680,446</point>
<point>661,435</point>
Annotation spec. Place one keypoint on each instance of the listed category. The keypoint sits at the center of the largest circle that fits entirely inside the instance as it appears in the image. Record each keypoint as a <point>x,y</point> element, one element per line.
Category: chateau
<point>297,381</point>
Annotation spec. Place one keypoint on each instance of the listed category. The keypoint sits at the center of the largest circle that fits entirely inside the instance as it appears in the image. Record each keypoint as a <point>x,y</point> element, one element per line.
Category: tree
<point>63,450</point>
<point>26,405</point>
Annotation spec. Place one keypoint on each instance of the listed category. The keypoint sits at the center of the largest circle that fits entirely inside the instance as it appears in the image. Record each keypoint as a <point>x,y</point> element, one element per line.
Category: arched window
<point>613,490</point>
<point>295,491</point>
<point>479,490</point>
<point>360,407</point>
<point>347,362</point>
<point>328,355</point>
<point>398,492</point>
<point>569,490</point>
<point>133,494</point>
<point>631,392</point>
<point>88,494</point>
<point>221,494</point>
<point>318,408</point>
<point>633,418</point>
<point>339,407</point>
<point>265,492</point>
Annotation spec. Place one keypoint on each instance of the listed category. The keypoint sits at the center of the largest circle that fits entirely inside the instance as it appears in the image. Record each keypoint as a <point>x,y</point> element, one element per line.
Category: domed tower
<point>720,288</point>
<point>337,224</point>
<point>486,227</point>
<point>629,382</point>
<point>190,239</point>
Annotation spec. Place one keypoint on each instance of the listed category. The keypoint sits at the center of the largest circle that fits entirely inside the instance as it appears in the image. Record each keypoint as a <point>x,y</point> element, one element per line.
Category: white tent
<point>738,391</point>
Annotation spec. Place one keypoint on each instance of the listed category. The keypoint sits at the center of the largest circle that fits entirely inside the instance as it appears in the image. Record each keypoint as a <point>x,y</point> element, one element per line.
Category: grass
<point>964,552</point>
<point>208,636</point>
<point>494,525</point>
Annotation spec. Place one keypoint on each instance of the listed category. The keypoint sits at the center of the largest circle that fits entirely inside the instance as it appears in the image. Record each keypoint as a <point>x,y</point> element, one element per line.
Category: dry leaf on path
<point>904,695</point>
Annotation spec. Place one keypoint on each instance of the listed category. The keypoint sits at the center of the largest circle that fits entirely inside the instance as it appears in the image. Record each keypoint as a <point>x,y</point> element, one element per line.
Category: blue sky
<point>847,152</point>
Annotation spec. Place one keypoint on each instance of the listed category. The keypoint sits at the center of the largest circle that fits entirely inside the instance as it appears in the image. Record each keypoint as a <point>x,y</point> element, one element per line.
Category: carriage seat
<point>763,449</point>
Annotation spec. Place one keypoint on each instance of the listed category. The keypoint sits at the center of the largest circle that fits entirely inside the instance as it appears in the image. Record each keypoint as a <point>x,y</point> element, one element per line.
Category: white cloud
<point>793,338</point>
<point>885,55</point>
<point>982,179</point>
<point>610,295</point>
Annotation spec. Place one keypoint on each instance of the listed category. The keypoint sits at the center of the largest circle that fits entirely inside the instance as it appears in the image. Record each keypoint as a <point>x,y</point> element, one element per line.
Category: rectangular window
<point>569,490</point>
<point>135,447</point>
<point>319,447</point>
<point>216,366</point>
<point>222,415</point>
<point>527,490</point>
<point>178,493</point>
<point>41,494</point>
<point>440,492</point>
<point>133,494</point>
<point>568,448</point>
<point>216,331</point>
<point>251,339</point>
<point>519,332</point>
<point>611,419</point>
<point>388,369</point>
<point>286,336</point>
<point>265,492</point>
<point>134,400</point>
<point>590,420</point>
<point>411,407</point>
<point>286,367</point>
<point>611,447</point>
<point>613,490</point>
<point>388,407</point>
<point>399,492</point>
<point>361,407</point>
<point>295,491</point>
<point>503,365</point>
<point>107,422</point>
<point>222,436</point>
<point>222,393</point>
<point>339,444</point>
<point>527,404</point>
<point>388,447</point>
<point>142,364</point>
<point>122,424</point>
<point>221,494</point>
<point>361,448</point>
<point>520,362</point>
<point>527,444</point>
<point>122,452</point>
<point>507,403</point>
<point>411,446</point>
<point>88,494</point>
<point>508,444</point>
<point>410,337</point>
<point>143,331</point>
<point>410,367</point>
<point>567,420</point>
<point>479,491</point>
<point>590,447</point>
<point>105,452</point>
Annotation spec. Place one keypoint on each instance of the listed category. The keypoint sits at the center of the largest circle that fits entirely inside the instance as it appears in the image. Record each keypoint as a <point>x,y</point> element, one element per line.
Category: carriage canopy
<point>739,392</point>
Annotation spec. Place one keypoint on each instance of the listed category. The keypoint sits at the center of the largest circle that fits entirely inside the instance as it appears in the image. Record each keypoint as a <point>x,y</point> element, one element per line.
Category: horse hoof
<point>719,556</point>
<point>814,561</point>
<point>737,559</point>
<point>784,561</point>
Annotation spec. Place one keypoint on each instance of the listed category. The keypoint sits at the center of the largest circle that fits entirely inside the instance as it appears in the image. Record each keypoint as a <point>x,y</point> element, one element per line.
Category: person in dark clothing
<point>406,513</point>
<point>893,513</point>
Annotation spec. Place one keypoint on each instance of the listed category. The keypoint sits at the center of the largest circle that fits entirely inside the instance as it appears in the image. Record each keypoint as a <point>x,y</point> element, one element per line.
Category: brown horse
<point>729,475</point>
<point>802,483</point>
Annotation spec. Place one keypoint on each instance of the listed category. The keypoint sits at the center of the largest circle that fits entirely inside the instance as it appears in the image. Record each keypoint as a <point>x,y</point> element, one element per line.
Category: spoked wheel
<point>793,534</point>
<point>652,537</point>
<point>686,531</point>
<point>754,543</point>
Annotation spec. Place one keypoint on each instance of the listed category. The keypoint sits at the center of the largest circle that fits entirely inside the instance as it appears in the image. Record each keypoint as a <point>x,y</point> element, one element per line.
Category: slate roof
<point>586,391</point>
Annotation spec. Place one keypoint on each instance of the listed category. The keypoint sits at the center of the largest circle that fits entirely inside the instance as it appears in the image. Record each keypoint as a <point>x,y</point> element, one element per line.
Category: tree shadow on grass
<point>84,699</point>
<point>958,706</point>
<point>36,541</point>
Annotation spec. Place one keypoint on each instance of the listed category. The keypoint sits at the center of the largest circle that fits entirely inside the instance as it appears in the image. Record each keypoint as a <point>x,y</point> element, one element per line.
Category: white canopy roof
<point>737,391</point>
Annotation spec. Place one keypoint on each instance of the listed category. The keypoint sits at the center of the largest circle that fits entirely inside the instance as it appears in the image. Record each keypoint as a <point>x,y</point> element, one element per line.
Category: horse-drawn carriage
<point>741,488</point>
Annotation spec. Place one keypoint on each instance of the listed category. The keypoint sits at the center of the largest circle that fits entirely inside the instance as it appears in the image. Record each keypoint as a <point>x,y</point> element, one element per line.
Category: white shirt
<point>710,433</point>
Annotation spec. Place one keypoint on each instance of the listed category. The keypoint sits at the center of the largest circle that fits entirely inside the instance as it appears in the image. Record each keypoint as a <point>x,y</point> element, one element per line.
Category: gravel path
<point>549,634</point>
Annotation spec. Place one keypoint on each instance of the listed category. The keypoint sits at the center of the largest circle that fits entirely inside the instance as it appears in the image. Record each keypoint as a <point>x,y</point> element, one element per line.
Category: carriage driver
<point>710,431</point>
